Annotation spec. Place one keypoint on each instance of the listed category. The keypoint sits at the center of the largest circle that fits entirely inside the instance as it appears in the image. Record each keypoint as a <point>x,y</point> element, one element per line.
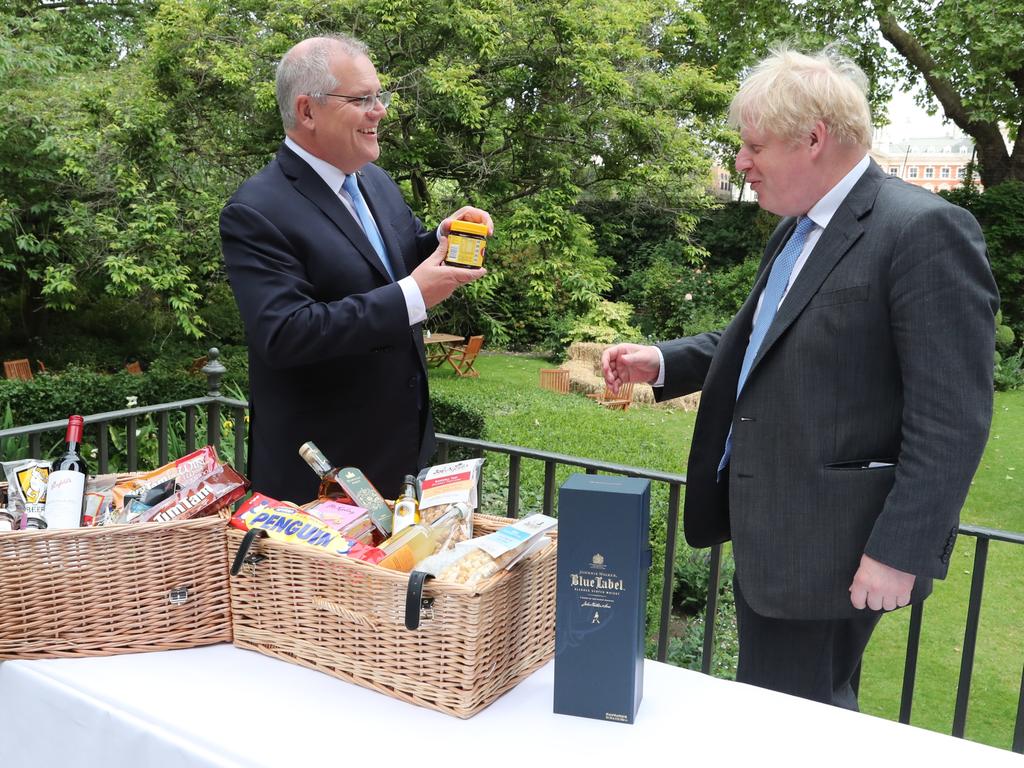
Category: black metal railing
<point>211,407</point>
<point>214,405</point>
<point>983,536</point>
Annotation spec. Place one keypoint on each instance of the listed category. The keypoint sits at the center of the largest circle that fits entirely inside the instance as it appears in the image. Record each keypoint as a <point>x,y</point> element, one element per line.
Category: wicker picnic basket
<point>117,589</point>
<point>347,618</point>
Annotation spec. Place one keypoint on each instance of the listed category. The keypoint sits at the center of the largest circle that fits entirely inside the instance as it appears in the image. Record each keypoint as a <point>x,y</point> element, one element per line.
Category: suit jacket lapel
<point>309,184</point>
<point>842,232</point>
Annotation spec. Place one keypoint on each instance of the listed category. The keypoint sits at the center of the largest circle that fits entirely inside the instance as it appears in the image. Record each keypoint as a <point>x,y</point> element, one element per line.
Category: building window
<point>929,172</point>
<point>944,172</point>
<point>961,172</point>
<point>724,182</point>
<point>894,170</point>
<point>912,173</point>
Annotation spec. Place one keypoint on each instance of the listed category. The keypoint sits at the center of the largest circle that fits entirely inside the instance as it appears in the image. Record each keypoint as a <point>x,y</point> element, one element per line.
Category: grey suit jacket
<point>882,352</point>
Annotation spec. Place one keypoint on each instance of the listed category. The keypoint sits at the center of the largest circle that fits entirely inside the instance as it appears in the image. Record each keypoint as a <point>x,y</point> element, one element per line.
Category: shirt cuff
<point>413,300</point>
<point>660,381</point>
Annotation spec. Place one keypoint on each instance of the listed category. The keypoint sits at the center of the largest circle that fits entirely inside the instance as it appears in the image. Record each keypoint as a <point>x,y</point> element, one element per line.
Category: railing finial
<point>214,370</point>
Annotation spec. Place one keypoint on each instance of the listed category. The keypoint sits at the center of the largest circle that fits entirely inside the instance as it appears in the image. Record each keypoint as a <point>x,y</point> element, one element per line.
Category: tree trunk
<point>996,165</point>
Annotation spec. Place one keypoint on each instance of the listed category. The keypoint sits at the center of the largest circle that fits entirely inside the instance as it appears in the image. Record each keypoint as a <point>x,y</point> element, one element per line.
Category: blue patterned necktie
<point>369,227</point>
<point>774,290</point>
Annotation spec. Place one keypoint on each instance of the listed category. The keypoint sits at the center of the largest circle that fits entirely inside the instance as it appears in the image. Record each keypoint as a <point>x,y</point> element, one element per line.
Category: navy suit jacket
<point>866,410</point>
<point>332,357</point>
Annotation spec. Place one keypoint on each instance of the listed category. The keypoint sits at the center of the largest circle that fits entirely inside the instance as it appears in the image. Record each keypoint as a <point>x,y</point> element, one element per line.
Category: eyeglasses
<point>366,103</point>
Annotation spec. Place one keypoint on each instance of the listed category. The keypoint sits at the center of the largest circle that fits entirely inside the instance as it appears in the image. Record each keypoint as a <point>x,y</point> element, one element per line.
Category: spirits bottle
<point>65,487</point>
<point>330,488</point>
<point>407,506</point>
<point>349,485</point>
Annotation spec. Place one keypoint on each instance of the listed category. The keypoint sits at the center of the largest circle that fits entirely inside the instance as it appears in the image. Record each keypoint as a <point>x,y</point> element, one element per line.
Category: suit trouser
<point>813,659</point>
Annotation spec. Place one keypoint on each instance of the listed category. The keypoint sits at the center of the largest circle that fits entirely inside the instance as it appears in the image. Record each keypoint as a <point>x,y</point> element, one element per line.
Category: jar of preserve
<point>467,242</point>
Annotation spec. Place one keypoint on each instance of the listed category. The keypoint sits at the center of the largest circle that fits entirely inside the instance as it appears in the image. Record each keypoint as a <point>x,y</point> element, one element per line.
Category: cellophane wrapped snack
<point>471,562</point>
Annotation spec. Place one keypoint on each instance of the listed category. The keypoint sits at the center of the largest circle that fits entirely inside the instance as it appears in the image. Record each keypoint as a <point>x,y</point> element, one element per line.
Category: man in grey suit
<point>845,408</point>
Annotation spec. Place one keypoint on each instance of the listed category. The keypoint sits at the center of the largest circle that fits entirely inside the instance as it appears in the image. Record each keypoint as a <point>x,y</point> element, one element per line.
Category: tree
<point>91,192</point>
<point>967,54</point>
<point>525,108</point>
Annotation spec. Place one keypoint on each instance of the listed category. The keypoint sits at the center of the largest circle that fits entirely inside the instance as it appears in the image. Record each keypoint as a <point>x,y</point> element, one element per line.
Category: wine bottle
<point>65,487</point>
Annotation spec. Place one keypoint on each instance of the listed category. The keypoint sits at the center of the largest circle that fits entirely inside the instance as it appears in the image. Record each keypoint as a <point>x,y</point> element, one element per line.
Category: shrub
<point>78,390</point>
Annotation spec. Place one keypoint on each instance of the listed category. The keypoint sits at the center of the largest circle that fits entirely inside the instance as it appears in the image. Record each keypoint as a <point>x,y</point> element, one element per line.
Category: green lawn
<point>519,413</point>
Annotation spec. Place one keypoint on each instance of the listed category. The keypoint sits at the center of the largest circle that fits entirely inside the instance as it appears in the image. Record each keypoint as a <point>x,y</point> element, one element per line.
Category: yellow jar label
<point>465,251</point>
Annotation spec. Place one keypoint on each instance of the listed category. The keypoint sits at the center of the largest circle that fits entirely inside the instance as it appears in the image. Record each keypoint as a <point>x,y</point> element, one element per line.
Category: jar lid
<point>469,228</point>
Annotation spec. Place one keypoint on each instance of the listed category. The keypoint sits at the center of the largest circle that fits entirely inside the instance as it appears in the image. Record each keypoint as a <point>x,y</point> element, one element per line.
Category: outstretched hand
<point>624,363</point>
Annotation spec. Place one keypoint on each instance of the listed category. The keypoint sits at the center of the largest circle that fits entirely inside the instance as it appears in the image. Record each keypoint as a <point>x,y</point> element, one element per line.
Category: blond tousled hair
<point>788,92</point>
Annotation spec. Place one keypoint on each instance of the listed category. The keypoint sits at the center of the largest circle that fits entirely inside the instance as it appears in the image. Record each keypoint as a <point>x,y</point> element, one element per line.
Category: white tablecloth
<point>221,706</point>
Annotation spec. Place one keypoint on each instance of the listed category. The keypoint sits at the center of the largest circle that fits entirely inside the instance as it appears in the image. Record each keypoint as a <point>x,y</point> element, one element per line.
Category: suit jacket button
<point>412,382</point>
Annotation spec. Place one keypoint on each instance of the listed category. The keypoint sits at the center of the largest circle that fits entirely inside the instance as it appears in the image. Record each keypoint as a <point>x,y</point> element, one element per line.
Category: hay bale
<point>584,365</point>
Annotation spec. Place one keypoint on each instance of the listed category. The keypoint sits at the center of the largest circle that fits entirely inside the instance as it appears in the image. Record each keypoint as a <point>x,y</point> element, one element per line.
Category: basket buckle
<point>427,608</point>
<point>178,595</point>
<point>252,561</point>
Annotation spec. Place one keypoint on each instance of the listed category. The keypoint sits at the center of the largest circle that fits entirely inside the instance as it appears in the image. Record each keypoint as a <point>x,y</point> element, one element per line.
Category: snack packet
<point>350,521</point>
<point>471,562</point>
<point>99,500</point>
<point>450,483</point>
<point>26,490</point>
<point>286,522</point>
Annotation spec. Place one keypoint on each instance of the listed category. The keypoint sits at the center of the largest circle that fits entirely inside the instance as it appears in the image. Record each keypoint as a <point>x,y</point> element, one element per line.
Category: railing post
<point>668,576</point>
<point>714,575</point>
<point>963,688</point>
<point>214,370</point>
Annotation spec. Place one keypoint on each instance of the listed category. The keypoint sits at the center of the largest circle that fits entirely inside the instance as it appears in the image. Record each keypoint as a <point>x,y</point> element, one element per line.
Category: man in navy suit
<point>333,275</point>
<point>845,408</point>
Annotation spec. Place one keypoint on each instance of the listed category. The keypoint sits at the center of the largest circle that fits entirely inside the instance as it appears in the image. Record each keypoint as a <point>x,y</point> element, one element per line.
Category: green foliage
<point>456,417</point>
<point>145,116</point>
<point>967,54</point>
<point>680,301</point>
<point>606,323</point>
<point>1000,211</point>
<point>78,390</point>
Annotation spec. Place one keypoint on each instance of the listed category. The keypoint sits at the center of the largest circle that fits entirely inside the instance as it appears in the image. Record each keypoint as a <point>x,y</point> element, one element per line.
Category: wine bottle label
<point>64,493</point>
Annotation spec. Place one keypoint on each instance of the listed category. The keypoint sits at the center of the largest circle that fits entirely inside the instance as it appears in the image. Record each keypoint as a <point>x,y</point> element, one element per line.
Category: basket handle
<point>243,548</point>
<point>414,598</point>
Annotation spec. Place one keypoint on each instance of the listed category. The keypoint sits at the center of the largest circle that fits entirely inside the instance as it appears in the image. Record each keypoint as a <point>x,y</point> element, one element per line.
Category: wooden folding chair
<point>609,399</point>
<point>462,358</point>
<point>555,380</point>
<point>18,369</point>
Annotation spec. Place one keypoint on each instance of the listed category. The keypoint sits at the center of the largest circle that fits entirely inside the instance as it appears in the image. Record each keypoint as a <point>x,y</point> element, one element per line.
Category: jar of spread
<point>467,242</point>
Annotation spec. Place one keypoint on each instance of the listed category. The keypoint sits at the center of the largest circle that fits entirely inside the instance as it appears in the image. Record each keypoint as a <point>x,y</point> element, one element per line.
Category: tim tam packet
<point>195,485</point>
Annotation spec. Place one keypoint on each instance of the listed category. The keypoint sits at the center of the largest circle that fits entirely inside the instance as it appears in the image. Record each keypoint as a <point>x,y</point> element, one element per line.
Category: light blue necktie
<point>369,226</point>
<point>774,290</point>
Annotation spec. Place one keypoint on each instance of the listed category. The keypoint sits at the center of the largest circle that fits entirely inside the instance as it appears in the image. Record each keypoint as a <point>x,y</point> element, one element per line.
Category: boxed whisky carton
<point>601,590</point>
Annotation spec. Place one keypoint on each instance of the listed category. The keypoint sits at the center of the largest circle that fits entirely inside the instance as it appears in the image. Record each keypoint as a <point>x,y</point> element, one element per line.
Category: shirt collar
<point>821,212</point>
<point>332,176</point>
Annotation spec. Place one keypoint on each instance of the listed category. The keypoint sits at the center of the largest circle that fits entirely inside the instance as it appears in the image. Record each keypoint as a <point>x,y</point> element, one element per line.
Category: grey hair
<point>308,71</point>
<point>788,92</point>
